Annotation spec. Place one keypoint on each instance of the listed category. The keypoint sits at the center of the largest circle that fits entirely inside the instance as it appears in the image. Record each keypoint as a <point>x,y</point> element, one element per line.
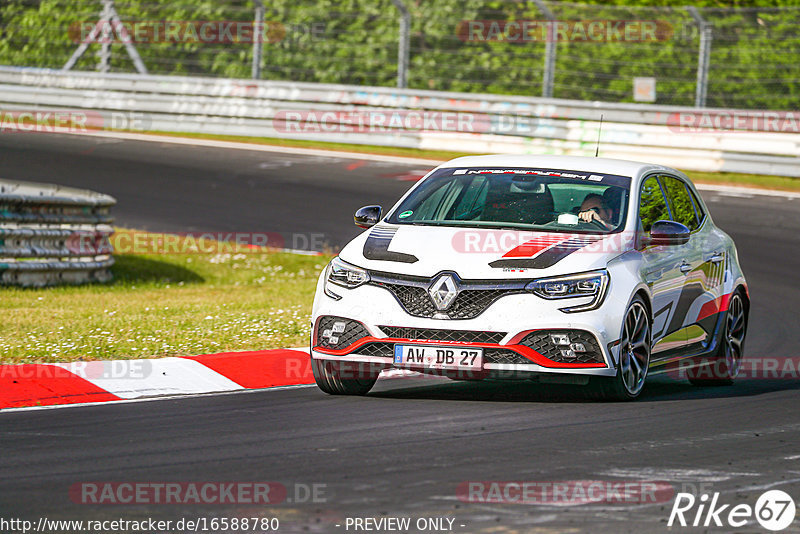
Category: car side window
<point>680,202</point>
<point>698,207</point>
<point>652,205</point>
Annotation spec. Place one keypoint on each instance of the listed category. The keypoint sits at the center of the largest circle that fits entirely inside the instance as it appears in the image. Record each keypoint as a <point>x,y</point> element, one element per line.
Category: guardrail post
<point>109,23</point>
<point>258,43</point>
<point>703,57</point>
<point>403,45</point>
<point>104,63</point>
<point>549,51</point>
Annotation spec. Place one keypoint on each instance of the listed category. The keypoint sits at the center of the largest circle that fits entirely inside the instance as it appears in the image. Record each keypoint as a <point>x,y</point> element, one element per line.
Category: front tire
<point>634,355</point>
<point>344,378</point>
<point>727,362</point>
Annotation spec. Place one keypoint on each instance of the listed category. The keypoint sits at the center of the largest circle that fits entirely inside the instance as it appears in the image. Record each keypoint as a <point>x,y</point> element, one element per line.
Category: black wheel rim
<point>735,330</point>
<point>634,358</point>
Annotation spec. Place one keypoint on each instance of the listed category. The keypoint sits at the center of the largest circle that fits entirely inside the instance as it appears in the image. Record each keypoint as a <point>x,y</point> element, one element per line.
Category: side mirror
<point>669,233</point>
<point>368,216</point>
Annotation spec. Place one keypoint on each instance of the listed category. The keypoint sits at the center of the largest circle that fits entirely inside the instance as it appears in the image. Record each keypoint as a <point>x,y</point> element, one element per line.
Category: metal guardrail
<point>500,124</point>
<point>52,235</point>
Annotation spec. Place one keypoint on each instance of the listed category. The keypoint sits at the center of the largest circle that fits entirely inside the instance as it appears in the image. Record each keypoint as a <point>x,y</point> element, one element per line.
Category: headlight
<point>592,284</point>
<point>343,274</point>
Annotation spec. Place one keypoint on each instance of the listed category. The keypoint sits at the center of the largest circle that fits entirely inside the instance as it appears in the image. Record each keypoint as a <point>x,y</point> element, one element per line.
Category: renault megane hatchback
<point>559,269</point>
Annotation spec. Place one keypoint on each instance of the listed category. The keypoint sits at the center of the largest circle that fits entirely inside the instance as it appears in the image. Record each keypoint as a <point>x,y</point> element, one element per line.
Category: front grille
<point>472,302</point>
<point>474,297</point>
<point>329,338</point>
<point>385,350</point>
<point>542,342</point>
<point>490,355</point>
<point>337,333</point>
<point>414,299</point>
<point>435,334</point>
<point>504,356</point>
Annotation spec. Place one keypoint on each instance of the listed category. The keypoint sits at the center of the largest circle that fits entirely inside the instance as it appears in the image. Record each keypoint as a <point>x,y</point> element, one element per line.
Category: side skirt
<point>700,353</point>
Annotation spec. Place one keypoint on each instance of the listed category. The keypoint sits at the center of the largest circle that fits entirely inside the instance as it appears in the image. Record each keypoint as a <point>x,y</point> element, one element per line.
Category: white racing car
<point>557,269</point>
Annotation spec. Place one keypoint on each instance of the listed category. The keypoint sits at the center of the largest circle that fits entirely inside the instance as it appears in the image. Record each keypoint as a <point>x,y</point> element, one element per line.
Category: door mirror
<point>368,216</point>
<point>669,233</point>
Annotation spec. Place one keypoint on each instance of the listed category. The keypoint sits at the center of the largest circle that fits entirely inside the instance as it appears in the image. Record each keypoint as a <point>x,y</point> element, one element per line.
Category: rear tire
<point>634,356</point>
<point>727,362</point>
<point>344,378</point>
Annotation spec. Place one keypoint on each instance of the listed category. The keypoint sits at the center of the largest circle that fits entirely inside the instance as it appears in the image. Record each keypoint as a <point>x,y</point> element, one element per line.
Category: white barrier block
<point>132,379</point>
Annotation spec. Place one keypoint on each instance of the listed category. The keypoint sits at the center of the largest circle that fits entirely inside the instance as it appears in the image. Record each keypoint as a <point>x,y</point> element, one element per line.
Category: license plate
<point>432,357</point>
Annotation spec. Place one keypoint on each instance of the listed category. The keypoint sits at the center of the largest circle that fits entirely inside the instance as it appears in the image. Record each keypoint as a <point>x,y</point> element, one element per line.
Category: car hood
<point>481,254</point>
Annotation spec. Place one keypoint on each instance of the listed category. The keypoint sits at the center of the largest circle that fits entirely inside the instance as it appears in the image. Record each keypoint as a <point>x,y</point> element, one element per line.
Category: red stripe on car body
<point>534,247</point>
<point>714,306</point>
<point>527,352</point>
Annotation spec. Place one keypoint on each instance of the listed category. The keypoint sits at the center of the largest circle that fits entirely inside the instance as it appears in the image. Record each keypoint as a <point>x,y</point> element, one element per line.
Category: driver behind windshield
<point>595,209</point>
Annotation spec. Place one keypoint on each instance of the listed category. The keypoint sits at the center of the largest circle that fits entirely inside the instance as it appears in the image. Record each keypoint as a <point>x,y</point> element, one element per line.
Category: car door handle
<point>716,257</point>
<point>685,267</point>
<point>652,276</point>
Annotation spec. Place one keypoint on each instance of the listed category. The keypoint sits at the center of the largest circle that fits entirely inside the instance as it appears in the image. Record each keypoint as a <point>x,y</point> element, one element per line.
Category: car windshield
<point>550,200</point>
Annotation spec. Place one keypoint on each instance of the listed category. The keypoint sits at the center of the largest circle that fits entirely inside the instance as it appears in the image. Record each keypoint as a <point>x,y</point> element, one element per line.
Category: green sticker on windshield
<point>405,214</point>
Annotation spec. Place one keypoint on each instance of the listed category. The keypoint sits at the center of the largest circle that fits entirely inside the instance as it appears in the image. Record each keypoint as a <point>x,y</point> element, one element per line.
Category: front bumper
<point>502,331</point>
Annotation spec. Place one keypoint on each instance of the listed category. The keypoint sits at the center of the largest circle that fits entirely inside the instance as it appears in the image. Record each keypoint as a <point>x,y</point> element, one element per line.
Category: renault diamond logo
<point>443,292</point>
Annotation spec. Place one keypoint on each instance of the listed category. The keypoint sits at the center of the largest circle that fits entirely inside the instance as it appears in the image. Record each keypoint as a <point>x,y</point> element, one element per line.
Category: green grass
<point>165,305</point>
<point>779,183</point>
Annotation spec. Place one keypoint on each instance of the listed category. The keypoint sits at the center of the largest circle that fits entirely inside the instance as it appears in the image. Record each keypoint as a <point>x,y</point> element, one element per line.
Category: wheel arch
<point>741,287</point>
<point>609,387</point>
<point>644,292</point>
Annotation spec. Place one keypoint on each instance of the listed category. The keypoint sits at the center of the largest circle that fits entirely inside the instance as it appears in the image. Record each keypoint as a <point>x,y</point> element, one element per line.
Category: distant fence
<point>697,54</point>
<point>53,235</point>
<point>744,141</point>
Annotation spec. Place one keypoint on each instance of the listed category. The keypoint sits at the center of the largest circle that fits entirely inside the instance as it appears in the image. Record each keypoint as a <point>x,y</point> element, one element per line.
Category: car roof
<point>619,167</point>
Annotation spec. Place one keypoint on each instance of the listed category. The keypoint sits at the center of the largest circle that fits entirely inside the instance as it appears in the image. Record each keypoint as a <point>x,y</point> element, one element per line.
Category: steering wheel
<point>595,224</point>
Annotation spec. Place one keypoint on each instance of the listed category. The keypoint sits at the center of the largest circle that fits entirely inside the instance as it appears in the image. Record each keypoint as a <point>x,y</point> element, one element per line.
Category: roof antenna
<point>597,149</point>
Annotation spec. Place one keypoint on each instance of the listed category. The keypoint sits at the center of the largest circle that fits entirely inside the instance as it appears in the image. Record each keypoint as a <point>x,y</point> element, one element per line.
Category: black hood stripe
<point>376,247</point>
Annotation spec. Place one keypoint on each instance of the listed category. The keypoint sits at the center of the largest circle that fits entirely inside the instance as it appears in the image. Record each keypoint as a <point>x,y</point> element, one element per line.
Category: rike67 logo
<point>774,510</point>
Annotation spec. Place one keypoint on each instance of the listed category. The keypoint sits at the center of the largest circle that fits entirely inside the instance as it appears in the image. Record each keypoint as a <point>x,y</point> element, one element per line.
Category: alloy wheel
<point>735,331</point>
<point>635,348</point>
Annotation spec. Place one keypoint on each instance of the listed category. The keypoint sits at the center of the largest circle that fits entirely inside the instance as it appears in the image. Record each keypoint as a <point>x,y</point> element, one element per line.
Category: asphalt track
<point>404,449</point>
